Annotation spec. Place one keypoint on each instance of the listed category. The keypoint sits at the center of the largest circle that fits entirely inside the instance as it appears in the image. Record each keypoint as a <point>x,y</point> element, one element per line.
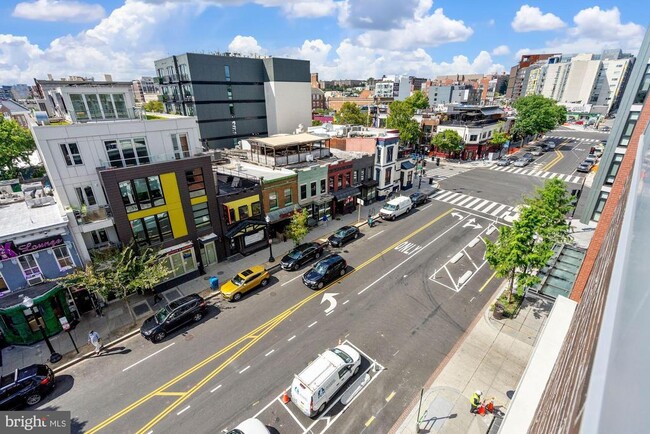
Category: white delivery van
<point>313,388</point>
<point>396,207</point>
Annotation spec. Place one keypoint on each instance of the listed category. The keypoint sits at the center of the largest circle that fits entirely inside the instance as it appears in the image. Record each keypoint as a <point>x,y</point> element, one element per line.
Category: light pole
<point>268,233</point>
<point>29,304</point>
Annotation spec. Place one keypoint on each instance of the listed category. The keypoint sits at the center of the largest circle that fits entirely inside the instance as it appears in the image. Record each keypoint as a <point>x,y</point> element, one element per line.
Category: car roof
<point>345,227</point>
<point>254,269</point>
<point>304,246</point>
<point>330,259</point>
<point>181,301</point>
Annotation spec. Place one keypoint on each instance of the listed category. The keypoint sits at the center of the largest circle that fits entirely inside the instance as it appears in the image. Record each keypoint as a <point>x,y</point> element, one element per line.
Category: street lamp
<point>28,302</point>
<point>268,233</point>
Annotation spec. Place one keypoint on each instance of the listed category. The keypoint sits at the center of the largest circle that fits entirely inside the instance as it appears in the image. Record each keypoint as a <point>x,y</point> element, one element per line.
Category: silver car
<point>522,162</point>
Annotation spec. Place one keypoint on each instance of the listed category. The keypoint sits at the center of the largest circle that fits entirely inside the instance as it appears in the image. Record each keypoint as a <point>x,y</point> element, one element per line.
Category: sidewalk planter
<point>509,310</point>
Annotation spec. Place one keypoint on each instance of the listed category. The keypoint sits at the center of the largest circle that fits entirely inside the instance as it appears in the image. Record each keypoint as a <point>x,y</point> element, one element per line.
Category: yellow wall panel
<point>197,200</point>
<point>174,205</point>
<point>235,204</point>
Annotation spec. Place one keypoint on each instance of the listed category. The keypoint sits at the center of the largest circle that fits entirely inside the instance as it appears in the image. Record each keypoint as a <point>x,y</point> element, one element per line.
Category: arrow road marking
<point>455,214</point>
<point>329,297</point>
<point>472,224</point>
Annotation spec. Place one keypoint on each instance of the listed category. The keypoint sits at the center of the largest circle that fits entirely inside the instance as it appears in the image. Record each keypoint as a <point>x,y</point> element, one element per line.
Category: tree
<point>448,141</point>
<point>537,114</point>
<point>316,123</point>
<point>401,118</point>
<point>350,114</point>
<point>418,100</point>
<point>120,274</point>
<point>499,138</point>
<point>298,228</point>
<point>16,146</point>
<point>154,106</point>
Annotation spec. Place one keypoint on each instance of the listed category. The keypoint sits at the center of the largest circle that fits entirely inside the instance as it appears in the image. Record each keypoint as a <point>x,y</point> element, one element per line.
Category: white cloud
<point>530,19</point>
<point>59,10</point>
<point>378,14</point>
<point>501,50</point>
<point>245,45</point>
<point>290,8</point>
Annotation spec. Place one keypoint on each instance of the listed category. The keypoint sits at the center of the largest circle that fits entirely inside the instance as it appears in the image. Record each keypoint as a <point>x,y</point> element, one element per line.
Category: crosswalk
<point>578,139</point>
<point>494,209</point>
<point>539,173</point>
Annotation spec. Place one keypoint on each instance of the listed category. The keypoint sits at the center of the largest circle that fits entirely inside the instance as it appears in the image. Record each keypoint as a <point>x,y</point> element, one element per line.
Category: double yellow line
<point>252,337</point>
<point>558,157</point>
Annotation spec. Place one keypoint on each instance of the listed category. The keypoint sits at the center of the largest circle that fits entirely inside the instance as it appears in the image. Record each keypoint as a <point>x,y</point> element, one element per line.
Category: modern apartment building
<point>518,74</point>
<point>397,87</point>
<point>236,97</point>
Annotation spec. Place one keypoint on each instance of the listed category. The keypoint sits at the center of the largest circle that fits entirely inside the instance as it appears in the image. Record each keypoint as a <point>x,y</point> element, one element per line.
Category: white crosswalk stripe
<point>579,139</point>
<point>540,174</point>
<point>484,206</point>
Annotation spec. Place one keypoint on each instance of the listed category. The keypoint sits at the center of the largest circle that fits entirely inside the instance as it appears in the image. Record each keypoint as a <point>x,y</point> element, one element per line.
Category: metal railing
<point>156,158</point>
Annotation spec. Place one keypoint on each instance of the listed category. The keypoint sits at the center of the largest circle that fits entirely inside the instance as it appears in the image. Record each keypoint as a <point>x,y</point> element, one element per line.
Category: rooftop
<point>282,141</point>
<point>13,106</point>
<point>248,170</point>
<point>17,219</point>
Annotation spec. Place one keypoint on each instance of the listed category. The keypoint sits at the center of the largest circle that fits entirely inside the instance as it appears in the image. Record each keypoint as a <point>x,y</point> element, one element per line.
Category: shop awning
<point>282,213</point>
<point>15,298</point>
<point>324,198</point>
<point>207,238</point>
<point>370,183</point>
<point>407,165</point>
<point>346,192</point>
<point>175,248</point>
<point>245,227</point>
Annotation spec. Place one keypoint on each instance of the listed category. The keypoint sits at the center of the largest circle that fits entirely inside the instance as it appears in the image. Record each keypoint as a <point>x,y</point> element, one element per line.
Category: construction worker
<point>475,402</point>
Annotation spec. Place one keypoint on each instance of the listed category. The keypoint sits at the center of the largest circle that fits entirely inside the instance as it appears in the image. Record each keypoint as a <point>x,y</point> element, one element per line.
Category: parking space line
<point>327,314</point>
<point>291,338</point>
<point>370,421</point>
<point>215,389</point>
<point>451,278</point>
<point>245,369</point>
<point>312,324</point>
<point>346,301</point>
<point>269,353</point>
<point>183,410</point>
<point>428,206</point>
<point>470,259</point>
<point>289,281</point>
<point>373,236</point>
<point>389,397</point>
<point>149,356</point>
<point>290,413</point>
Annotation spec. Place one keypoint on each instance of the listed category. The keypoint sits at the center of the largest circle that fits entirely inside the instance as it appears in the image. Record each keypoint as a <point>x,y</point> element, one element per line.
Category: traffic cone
<point>285,397</point>
<point>490,406</point>
<point>481,410</point>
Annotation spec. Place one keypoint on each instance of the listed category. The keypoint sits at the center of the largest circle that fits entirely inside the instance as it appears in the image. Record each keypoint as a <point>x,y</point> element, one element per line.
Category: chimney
<point>49,77</point>
<point>108,77</point>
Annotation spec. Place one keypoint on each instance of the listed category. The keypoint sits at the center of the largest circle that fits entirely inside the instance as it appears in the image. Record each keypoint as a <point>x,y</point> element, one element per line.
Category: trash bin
<point>430,181</point>
<point>214,283</point>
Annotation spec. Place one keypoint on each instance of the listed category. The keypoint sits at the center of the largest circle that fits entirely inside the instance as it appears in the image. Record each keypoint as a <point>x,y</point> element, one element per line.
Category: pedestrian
<point>93,338</point>
<point>156,297</point>
<point>475,402</point>
<point>97,304</point>
<point>369,220</point>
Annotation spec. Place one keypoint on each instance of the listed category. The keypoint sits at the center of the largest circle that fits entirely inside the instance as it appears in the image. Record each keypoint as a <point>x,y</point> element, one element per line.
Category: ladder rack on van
<point>324,373</point>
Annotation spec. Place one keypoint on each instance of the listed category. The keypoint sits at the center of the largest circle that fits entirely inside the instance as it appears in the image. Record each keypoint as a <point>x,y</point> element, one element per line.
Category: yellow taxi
<point>245,281</point>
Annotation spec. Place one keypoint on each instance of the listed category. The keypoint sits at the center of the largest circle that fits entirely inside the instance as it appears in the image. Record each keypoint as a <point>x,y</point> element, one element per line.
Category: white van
<point>312,389</point>
<point>396,207</point>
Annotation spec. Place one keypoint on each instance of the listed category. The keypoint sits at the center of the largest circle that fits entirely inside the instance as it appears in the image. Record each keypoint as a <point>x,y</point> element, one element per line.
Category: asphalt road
<point>407,298</point>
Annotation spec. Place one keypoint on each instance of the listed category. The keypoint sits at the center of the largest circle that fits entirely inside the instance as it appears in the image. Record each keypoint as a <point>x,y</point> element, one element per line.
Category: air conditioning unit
<point>35,279</point>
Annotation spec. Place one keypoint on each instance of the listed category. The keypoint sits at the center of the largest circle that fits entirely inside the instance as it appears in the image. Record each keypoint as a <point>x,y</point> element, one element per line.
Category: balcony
<point>94,217</point>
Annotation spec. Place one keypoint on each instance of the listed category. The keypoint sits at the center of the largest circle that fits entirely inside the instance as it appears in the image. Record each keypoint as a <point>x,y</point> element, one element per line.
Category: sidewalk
<point>491,358</point>
<point>116,322</point>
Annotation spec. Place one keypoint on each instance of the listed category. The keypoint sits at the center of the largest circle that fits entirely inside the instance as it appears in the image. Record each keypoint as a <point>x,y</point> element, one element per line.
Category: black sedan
<point>300,255</point>
<point>176,314</point>
<point>26,386</point>
<point>419,198</point>
<point>343,235</point>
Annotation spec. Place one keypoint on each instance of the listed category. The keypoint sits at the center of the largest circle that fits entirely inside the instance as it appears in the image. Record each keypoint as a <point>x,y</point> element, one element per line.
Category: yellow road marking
<point>487,281</point>
<point>170,393</point>
<point>253,336</point>
<point>390,396</point>
<point>370,420</point>
<point>557,159</point>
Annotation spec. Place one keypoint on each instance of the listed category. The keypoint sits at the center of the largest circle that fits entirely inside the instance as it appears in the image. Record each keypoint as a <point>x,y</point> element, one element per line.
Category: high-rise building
<point>518,74</point>
<point>236,97</point>
<point>393,86</point>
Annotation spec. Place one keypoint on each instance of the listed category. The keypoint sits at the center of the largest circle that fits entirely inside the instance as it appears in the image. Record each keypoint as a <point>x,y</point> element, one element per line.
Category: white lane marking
<point>215,389</point>
<point>288,282</point>
<point>457,199</point>
<point>346,301</point>
<point>370,238</point>
<point>329,313</point>
<point>183,410</point>
<point>498,210</point>
<point>312,324</point>
<point>149,356</point>
<point>489,207</point>
<point>269,353</point>
<point>395,353</point>
<point>245,369</point>
<point>291,338</point>
<point>472,299</point>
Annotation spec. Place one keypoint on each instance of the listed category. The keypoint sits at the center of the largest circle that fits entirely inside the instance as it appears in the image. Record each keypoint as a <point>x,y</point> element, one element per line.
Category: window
<point>229,214</point>
<point>229,91</point>
<point>226,69</point>
<point>141,193</point>
<point>93,107</point>
<point>362,174</point>
<point>355,177</point>
<point>71,154</point>
<point>313,189</point>
<point>378,155</point>
<point>128,152</point>
<point>201,215</point>
<point>473,137</point>
<point>256,208</point>
<point>347,179</point>
<point>273,200</point>
<point>389,154</point>
<point>231,107</point>
<point>323,189</point>
<point>288,200</point>
<point>243,212</point>
<point>377,174</point>
<point>99,236</point>
<point>600,204</point>
<point>29,266</point>
<point>339,181</point>
<point>195,183</point>
<point>628,128</point>
<point>63,257</point>
<point>331,183</point>
<point>86,196</point>
<point>613,169</point>
<point>152,229</point>
<point>643,88</point>
<point>79,107</point>
<point>387,176</point>
<point>303,192</point>
<point>120,105</point>
<point>181,146</point>
<point>106,102</point>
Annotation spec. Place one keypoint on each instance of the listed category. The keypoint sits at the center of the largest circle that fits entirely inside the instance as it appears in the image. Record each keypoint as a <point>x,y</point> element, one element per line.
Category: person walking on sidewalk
<point>93,338</point>
<point>475,402</point>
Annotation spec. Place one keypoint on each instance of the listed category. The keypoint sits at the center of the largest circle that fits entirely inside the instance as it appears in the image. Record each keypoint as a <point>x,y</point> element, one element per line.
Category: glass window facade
<point>141,193</point>
<point>195,182</point>
<point>152,229</point>
<point>63,257</point>
<point>79,107</point>
<point>128,152</point>
<point>201,214</point>
<point>71,154</point>
<point>107,106</point>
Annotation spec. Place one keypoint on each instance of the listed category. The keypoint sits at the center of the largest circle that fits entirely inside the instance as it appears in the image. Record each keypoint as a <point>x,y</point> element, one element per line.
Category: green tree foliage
<point>448,141</point>
<point>418,100</point>
<point>537,114</point>
<point>527,246</point>
<point>350,114</point>
<point>298,228</point>
<point>316,123</point>
<point>120,274</point>
<point>401,118</point>
<point>16,145</point>
<point>499,138</point>
<point>154,106</point>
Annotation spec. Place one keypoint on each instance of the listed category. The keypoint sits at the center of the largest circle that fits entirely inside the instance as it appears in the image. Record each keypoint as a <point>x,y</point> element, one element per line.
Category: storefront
<point>345,200</point>
<point>208,249</point>
<point>369,191</point>
<point>247,236</point>
<point>279,218</point>
<point>181,261</point>
<point>320,210</point>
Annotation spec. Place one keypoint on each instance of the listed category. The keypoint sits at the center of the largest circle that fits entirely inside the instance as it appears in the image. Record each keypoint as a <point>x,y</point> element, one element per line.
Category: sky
<point>353,39</point>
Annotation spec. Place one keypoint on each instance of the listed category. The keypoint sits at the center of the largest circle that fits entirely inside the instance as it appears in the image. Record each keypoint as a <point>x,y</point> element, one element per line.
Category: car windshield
<point>342,354</point>
<point>237,280</point>
<point>390,207</point>
<point>161,315</point>
<point>340,233</point>
<point>294,254</point>
<point>321,268</point>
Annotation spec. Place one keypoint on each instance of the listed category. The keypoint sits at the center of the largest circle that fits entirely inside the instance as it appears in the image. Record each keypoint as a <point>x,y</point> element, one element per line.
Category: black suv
<point>174,315</point>
<point>419,198</point>
<point>324,271</point>
<point>26,386</point>
<point>343,235</point>
<point>300,255</point>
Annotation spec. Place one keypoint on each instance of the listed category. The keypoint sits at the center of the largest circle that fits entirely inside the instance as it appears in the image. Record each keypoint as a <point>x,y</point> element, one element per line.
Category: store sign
<point>253,238</point>
<point>10,250</point>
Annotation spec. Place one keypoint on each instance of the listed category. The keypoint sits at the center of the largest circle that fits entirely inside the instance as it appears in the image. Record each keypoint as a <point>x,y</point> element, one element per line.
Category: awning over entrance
<point>34,292</point>
<point>346,192</point>
<point>370,183</point>
<point>282,213</point>
<point>207,238</point>
<point>176,248</point>
<point>407,165</point>
<point>245,227</point>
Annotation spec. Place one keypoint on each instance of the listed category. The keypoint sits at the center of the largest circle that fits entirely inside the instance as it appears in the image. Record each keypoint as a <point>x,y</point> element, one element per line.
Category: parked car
<point>300,255</point>
<point>512,158</point>
<point>605,129</point>
<point>545,147</point>
<point>395,208</point>
<point>503,161</point>
<point>521,162</point>
<point>324,271</point>
<point>551,145</point>
<point>419,198</point>
<point>315,386</point>
<point>174,315</point>
<point>250,426</point>
<point>25,386</point>
<point>245,281</point>
<point>343,235</point>
<point>529,156</point>
<point>537,151</point>
<point>592,158</point>
<point>585,166</point>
